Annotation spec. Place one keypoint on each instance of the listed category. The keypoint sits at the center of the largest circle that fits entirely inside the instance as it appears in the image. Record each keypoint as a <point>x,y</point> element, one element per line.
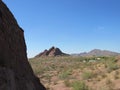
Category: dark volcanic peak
<point>53,51</point>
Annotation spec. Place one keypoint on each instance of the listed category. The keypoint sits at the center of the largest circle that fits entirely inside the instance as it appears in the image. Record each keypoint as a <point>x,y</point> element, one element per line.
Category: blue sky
<point>72,25</point>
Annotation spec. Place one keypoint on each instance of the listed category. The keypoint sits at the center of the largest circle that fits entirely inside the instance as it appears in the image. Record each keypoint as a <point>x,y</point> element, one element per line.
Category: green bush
<point>65,74</point>
<point>87,75</point>
<point>111,65</point>
<point>77,85</point>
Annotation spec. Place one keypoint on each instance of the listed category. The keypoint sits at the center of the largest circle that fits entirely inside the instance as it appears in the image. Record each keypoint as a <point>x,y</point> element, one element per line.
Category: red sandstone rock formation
<point>51,52</point>
<point>15,71</point>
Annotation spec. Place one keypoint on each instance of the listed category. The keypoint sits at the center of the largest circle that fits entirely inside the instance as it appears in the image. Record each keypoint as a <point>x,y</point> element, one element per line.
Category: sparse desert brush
<point>65,68</point>
<point>111,65</point>
<point>79,85</point>
<point>65,74</point>
<point>98,79</point>
<point>117,72</point>
<point>47,77</point>
<point>38,71</point>
<point>67,83</point>
<point>104,75</point>
<point>87,75</point>
<point>109,84</point>
<point>116,75</point>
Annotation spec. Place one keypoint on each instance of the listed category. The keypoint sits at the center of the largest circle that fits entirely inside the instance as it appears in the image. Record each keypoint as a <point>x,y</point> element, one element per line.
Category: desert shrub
<point>116,76</point>
<point>38,69</point>
<point>104,75</point>
<point>47,76</point>
<point>67,83</point>
<point>111,65</point>
<point>88,75</point>
<point>109,84</point>
<point>65,74</point>
<point>77,85</point>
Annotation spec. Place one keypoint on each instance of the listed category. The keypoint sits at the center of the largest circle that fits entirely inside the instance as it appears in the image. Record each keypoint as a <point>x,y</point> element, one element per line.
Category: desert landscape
<point>77,72</point>
<point>86,33</point>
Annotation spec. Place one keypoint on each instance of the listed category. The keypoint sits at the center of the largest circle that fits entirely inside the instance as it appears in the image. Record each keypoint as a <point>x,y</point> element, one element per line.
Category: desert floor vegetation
<point>77,73</point>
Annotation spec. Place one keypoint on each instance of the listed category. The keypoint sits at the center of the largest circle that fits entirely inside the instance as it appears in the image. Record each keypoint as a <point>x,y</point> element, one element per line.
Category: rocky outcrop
<point>15,71</point>
<point>51,52</point>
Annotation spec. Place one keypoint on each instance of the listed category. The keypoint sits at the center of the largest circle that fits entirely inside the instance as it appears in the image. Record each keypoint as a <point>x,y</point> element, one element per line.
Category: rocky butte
<point>15,71</point>
<point>52,52</point>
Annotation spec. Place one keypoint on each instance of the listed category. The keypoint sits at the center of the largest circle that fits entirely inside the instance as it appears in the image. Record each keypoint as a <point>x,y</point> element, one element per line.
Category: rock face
<point>51,52</point>
<point>15,71</point>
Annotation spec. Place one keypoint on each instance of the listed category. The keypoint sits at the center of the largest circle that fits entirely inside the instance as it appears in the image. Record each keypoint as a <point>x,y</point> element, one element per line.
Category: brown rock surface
<point>51,52</point>
<point>15,71</point>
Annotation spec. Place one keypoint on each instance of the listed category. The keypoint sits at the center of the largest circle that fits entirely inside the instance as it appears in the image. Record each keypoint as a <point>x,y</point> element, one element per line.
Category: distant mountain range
<point>97,52</point>
<point>53,51</point>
